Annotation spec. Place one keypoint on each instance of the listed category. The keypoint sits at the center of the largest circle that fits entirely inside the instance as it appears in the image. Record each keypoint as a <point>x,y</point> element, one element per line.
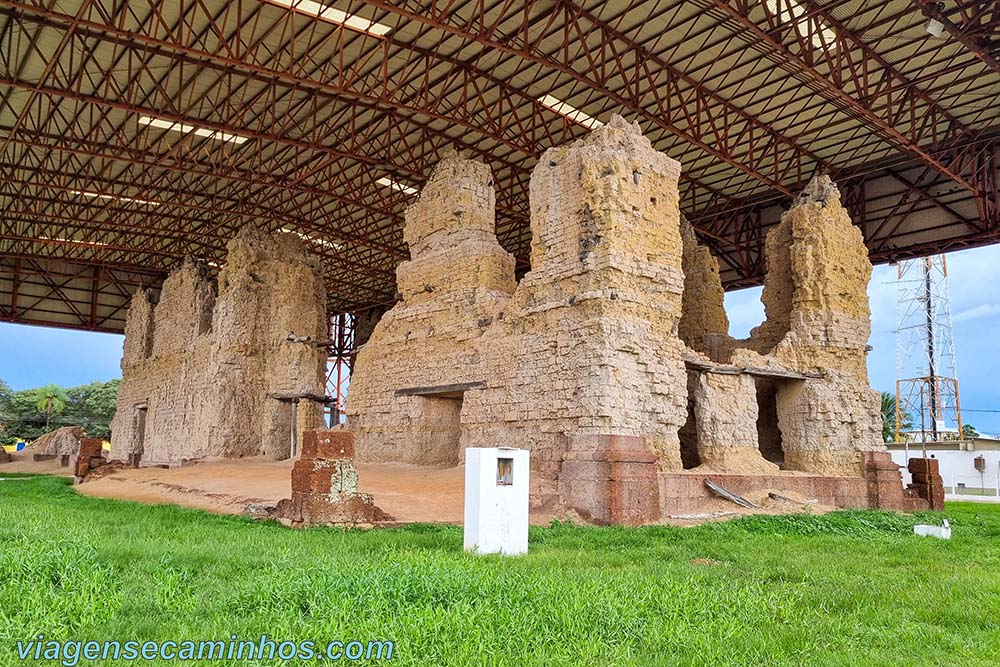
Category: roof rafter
<point>975,23</point>
<point>731,135</point>
<point>856,77</point>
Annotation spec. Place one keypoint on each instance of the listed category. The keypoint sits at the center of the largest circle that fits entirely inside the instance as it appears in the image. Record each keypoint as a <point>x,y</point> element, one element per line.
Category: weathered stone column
<point>420,368</point>
<point>817,289</point>
<point>726,415</point>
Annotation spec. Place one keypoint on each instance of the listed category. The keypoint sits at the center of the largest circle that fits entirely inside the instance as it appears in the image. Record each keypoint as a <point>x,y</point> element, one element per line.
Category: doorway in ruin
<point>138,432</point>
<point>768,430</point>
<point>438,426</point>
<point>688,434</point>
<point>441,429</point>
<point>442,426</point>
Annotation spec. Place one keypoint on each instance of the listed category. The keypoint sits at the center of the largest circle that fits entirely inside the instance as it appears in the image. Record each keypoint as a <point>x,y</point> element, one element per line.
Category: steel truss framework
<point>339,364</point>
<point>754,97</point>
<point>928,407</point>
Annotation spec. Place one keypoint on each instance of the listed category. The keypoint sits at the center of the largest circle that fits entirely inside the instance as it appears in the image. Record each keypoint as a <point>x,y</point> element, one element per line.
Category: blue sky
<point>33,356</point>
<point>974,284</point>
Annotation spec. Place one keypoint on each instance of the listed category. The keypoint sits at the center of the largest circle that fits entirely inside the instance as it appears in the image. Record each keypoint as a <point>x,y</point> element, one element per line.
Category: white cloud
<point>978,312</point>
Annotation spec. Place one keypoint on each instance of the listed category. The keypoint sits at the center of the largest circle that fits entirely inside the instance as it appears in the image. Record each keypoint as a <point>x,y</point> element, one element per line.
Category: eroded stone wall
<point>826,423</point>
<point>704,325</point>
<point>615,345</point>
<point>585,346</point>
<point>588,344</point>
<point>457,282</point>
<point>200,367</point>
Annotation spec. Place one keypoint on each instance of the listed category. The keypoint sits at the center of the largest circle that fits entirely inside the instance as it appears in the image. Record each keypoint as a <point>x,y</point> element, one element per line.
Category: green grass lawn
<point>849,588</point>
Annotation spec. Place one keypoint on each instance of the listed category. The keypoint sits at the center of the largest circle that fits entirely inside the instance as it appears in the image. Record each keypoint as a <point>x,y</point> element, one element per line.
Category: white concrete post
<point>496,500</point>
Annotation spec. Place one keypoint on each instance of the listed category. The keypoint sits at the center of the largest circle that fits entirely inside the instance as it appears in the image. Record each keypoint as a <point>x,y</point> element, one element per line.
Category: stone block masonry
<point>325,485</point>
<point>201,368</point>
<point>612,354</point>
<point>927,483</point>
<point>89,456</point>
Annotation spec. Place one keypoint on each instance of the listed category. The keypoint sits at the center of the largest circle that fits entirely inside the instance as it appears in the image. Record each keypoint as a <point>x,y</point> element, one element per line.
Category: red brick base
<point>610,479</point>
<point>927,483</point>
<point>683,492</point>
<point>325,485</point>
<point>615,479</point>
<point>88,457</point>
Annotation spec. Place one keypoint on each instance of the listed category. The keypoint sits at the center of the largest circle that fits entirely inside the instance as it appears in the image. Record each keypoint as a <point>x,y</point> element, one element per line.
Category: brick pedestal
<point>885,484</point>
<point>325,484</point>
<point>927,482</point>
<point>89,456</point>
<point>611,479</point>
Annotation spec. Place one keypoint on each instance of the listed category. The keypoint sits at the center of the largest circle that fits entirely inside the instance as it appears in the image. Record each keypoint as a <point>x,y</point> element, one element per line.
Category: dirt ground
<point>21,462</point>
<point>409,493</point>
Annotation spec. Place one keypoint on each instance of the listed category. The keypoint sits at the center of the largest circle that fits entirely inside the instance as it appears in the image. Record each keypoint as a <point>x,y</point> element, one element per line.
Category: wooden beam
<point>701,366</point>
<point>441,390</point>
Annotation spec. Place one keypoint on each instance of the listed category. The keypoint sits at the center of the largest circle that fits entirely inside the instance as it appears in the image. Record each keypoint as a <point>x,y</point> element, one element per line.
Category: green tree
<point>6,393</point>
<point>969,432</point>
<point>51,399</point>
<point>21,417</point>
<point>25,414</point>
<point>92,406</point>
<point>889,418</point>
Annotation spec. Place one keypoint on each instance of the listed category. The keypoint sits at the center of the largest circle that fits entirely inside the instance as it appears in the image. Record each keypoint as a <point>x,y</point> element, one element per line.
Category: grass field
<point>849,588</point>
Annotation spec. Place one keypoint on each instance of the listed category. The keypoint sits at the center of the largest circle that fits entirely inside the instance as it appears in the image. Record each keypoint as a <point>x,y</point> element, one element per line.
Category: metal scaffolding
<point>133,134</point>
<point>339,364</point>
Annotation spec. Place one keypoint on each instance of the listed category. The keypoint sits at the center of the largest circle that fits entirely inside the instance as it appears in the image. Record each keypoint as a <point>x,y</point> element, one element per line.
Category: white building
<point>969,468</point>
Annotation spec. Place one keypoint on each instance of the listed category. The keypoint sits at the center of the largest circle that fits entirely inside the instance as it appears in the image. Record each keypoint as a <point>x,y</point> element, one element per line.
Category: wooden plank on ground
<point>720,490</point>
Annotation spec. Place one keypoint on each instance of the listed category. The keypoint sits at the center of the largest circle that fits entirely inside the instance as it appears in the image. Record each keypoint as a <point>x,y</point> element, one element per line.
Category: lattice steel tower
<point>926,379</point>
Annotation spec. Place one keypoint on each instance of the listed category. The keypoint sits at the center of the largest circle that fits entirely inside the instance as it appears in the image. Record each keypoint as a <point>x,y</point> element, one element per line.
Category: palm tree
<point>50,399</point>
<point>889,418</point>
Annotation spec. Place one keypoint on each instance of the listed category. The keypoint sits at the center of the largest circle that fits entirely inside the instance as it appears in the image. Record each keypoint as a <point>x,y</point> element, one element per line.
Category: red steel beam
<point>478,113</point>
<point>682,106</point>
<point>866,86</point>
<point>976,25</point>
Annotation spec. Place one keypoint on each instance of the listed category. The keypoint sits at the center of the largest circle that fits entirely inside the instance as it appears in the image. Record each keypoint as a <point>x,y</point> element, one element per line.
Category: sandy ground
<point>21,462</point>
<point>408,493</point>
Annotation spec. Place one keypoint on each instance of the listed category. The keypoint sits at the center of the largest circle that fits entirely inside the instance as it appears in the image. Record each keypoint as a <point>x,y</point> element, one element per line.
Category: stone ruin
<point>610,360</point>
<point>71,446</point>
<point>63,441</point>
<point>325,486</point>
<point>88,457</point>
<point>213,369</point>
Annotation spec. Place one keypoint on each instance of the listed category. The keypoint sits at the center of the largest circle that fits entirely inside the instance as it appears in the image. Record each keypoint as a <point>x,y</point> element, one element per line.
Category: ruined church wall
<point>615,344</point>
<point>197,367</point>
<point>819,322</point>
<point>457,281</point>
<point>170,352</point>
<point>704,326</point>
<point>588,345</point>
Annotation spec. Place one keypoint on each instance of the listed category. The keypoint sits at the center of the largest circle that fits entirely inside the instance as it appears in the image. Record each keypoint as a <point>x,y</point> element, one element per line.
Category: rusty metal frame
<point>328,111</point>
